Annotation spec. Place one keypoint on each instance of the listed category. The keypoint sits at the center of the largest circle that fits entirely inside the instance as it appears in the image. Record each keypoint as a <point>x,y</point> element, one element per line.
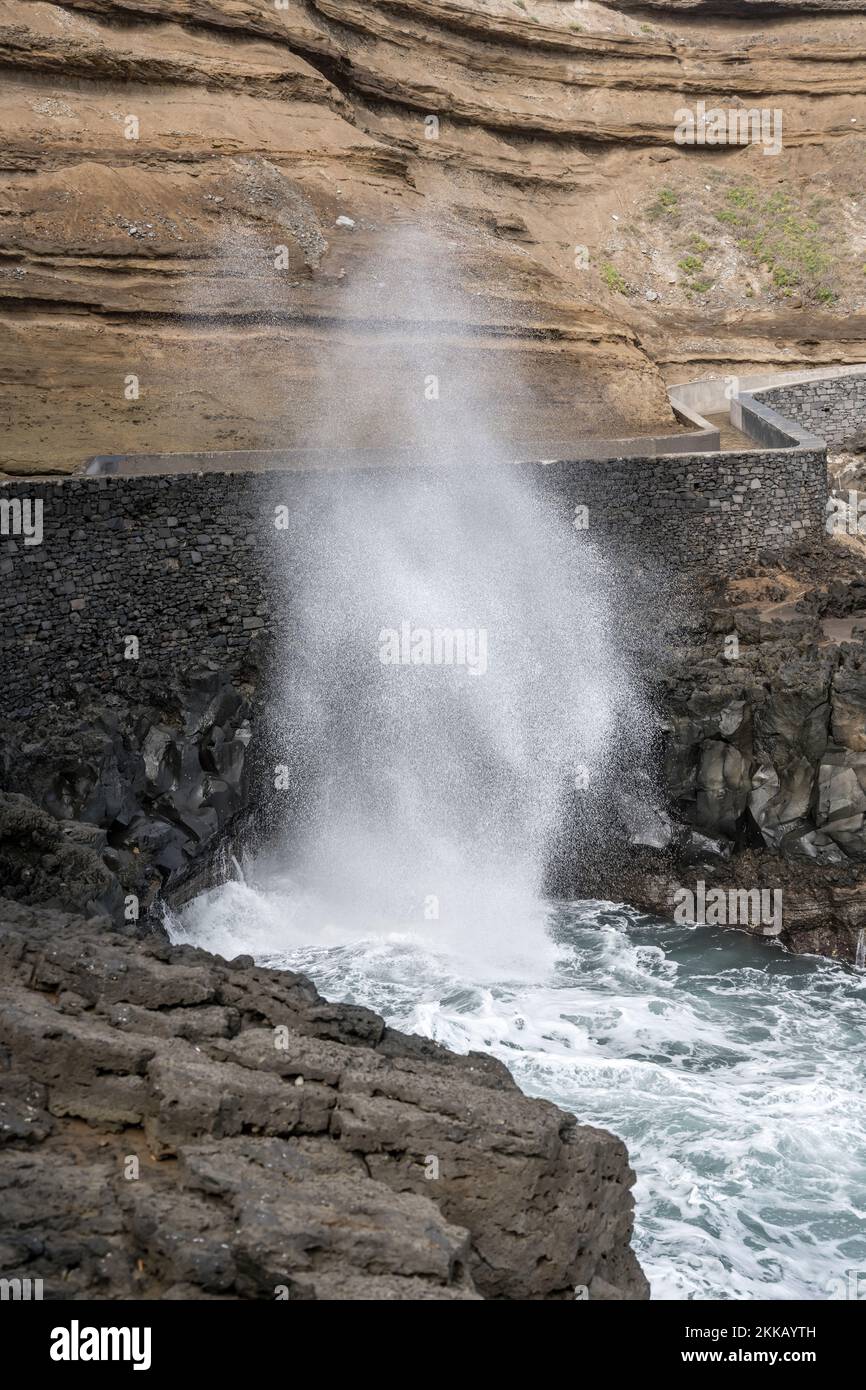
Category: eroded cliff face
<point>252,256</point>
<point>760,8</point>
<point>225,202</point>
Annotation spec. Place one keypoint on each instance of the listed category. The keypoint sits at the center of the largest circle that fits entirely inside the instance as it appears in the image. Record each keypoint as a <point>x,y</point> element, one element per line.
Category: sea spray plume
<point>422,796</point>
<point>417,356</point>
<point>417,762</point>
<point>246,280</point>
<point>614,817</point>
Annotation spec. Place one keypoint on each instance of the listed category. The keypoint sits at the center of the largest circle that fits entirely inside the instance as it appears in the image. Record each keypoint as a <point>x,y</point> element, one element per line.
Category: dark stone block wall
<point>708,512</point>
<point>185,563</point>
<point>177,563</point>
<point>834,408</point>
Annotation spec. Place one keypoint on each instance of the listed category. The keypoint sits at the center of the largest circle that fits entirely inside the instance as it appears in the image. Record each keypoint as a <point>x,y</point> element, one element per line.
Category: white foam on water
<point>277,919</point>
<point>734,1072</point>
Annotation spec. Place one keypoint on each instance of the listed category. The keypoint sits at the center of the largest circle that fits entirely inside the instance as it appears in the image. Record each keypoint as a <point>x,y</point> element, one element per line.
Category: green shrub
<point>786,241</point>
<point>666,204</point>
<point>612,278</point>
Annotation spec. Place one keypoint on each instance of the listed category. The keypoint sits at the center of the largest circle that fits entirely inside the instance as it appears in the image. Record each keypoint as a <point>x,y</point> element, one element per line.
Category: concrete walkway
<point>729,436</point>
<point>702,407</point>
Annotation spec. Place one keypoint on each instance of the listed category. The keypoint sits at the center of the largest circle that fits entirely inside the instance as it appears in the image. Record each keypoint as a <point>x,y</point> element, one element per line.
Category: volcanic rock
<point>180,1126</point>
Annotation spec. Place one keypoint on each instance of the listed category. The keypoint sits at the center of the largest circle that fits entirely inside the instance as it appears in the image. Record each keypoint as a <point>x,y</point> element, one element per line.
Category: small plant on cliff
<point>612,278</point>
<point>790,244</point>
<point>692,266</point>
<point>665,205</point>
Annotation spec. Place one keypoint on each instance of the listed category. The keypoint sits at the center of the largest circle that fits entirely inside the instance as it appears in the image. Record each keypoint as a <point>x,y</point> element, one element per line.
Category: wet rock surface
<point>177,1126</point>
<point>760,700</point>
<point>104,802</point>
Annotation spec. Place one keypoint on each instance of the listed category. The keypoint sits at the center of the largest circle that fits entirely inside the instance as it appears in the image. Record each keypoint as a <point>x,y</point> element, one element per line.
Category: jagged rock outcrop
<point>761,778</point>
<point>177,1126</point>
<point>777,708</point>
<point>124,791</point>
<point>54,863</point>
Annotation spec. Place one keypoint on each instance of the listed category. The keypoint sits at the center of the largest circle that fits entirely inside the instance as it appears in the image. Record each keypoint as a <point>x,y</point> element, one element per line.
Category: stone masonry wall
<point>833,408</point>
<point>175,562</point>
<point>185,563</point>
<point>709,512</point>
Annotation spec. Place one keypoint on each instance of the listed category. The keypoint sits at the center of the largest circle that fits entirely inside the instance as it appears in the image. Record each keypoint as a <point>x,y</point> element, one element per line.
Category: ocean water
<point>735,1072</point>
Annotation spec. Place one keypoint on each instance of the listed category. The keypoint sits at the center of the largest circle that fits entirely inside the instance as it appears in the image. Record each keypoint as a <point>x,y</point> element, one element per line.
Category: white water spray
<point>450,681</point>
<point>426,796</point>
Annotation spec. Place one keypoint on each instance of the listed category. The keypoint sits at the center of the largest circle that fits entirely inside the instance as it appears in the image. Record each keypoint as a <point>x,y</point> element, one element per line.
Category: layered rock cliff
<point>207,208</point>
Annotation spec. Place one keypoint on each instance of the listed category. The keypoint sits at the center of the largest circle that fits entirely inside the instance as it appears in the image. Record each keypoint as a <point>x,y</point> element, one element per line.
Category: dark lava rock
<point>761,757</point>
<point>145,783</point>
<point>46,862</point>
<point>179,1126</point>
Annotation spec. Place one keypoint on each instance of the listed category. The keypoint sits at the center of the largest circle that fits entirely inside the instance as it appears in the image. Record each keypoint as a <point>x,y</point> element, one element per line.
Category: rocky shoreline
<point>756,776</point>
<point>301,206</point>
<point>173,1125</point>
<point>759,752</point>
<point>178,1126</point>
